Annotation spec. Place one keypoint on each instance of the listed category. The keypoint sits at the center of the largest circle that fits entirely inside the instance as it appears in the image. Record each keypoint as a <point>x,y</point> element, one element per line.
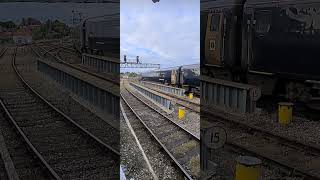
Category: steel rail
<point>246,150</point>
<point>9,166</point>
<point>267,134</point>
<point>262,131</point>
<point>170,120</point>
<point>28,142</point>
<point>78,68</point>
<point>86,132</point>
<point>25,138</point>
<point>186,174</point>
<point>292,169</point>
<point>179,99</point>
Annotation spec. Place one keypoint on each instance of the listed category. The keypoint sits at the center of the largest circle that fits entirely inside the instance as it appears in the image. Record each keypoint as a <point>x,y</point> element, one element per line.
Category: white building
<point>21,38</point>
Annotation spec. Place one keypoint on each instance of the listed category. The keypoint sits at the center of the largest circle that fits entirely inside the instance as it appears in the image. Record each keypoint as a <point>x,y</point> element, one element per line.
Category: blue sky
<point>166,32</point>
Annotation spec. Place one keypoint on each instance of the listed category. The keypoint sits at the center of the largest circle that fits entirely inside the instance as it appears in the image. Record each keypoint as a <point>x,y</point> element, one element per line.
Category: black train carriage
<point>99,35</point>
<point>161,76</point>
<point>279,45</point>
<point>283,42</point>
<point>182,76</point>
<point>221,25</point>
<point>187,76</point>
<point>103,35</point>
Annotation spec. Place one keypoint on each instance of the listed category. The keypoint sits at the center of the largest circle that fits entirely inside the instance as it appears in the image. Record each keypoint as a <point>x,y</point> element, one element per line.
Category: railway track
<point>24,162</point>
<point>153,161</point>
<point>193,106</point>
<point>63,100</point>
<point>290,154</point>
<point>63,146</point>
<point>75,66</point>
<point>185,103</point>
<point>182,147</point>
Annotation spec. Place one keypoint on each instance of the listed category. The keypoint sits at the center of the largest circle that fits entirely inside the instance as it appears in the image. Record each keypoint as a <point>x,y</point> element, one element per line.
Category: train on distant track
<point>98,35</point>
<point>274,45</point>
<point>187,77</point>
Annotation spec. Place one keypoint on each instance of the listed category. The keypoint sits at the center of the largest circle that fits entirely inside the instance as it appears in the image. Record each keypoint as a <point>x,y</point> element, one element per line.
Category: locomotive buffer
<point>136,63</point>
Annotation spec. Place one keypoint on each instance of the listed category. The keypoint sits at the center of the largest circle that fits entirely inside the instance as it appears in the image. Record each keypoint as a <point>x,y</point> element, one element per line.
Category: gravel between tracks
<point>225,158</point>
<point>131,156</point>
<point>181,145</point>
<point>62,99</point>
<point>69,152</point>
<point>76,61</point>
<point>26,165</point>
<point>191,121</point>
<point>300,129</point>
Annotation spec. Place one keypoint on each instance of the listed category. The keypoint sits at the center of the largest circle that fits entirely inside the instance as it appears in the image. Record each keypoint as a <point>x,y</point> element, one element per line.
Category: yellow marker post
<point>285,112</point>
<point>181,113</point>
<point>248,168</point>
<point>190,95</point>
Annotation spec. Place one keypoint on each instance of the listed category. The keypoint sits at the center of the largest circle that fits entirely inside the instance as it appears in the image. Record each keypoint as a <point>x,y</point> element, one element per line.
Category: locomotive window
<point>263,21</point>
<point>215,22</point>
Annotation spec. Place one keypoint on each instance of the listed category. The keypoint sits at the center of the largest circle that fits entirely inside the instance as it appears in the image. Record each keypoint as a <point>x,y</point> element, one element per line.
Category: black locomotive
<point>183,77</point>
<point>274,45</point>
<point>98,35</point>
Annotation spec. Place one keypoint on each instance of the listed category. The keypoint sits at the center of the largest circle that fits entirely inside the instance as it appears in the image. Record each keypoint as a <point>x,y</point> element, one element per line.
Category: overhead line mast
<point>136,63</point>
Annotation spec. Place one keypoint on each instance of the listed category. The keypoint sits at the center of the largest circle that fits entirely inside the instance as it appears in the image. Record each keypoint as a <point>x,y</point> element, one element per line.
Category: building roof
<point>22,33</point>
<point>5,34</point>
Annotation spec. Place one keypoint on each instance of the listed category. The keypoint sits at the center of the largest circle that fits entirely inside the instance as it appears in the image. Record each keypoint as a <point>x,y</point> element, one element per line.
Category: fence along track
<point>79,68</point>
<point>65,116</point>
<point>63,146</point>
<point>180,145</point>
<point>62,99</point>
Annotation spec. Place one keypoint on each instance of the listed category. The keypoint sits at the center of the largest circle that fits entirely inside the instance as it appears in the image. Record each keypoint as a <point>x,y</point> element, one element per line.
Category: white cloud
<point>167,32</point>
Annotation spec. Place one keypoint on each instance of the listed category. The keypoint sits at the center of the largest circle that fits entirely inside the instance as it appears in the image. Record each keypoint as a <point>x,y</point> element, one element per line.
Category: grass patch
<point>185,147</point>
<point>194,165</point>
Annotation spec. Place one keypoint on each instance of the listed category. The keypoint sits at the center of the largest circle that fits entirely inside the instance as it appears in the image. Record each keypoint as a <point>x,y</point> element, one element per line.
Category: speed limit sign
<point>215,137</point>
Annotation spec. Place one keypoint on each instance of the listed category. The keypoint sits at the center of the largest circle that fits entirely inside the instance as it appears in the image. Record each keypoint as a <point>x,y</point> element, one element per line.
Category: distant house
<point>33,27</point>
<point>5,37</point>
<point>21,38</point>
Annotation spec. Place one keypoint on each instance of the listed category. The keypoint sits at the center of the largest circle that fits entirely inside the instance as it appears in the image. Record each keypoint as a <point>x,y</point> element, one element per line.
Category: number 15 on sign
<point>215,137</point>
